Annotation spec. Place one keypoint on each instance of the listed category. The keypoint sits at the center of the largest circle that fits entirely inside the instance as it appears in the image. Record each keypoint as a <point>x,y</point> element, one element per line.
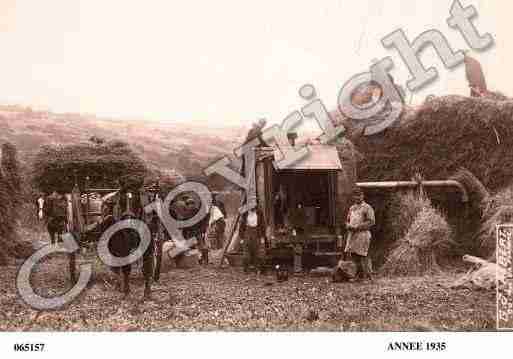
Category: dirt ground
<point>227,299</point>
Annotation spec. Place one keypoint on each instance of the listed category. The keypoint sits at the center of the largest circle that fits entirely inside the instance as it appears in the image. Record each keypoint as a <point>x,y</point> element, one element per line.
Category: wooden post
<point>237,219</point>
<point>418,178</point>
<point>232,231</point>
<point>230,239</point>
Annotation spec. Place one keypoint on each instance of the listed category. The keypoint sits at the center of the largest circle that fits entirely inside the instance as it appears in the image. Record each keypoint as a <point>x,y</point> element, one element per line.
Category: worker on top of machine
<point>360,219</point>
<point>255,132</point>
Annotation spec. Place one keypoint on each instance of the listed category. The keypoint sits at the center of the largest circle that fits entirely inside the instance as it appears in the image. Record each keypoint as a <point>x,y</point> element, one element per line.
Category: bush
<point>10,200</point>
<point>7,217</point>
<point>11,169</point>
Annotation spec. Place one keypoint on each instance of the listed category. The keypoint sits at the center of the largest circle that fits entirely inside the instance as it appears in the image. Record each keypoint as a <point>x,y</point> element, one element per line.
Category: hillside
<point>181,147</point>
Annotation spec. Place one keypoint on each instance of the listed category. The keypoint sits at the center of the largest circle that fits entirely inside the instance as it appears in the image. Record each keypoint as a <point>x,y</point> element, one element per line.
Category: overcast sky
<point>219,61</point>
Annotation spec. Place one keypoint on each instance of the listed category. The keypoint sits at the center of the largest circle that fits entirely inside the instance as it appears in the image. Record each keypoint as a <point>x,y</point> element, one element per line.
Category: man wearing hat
<point>360,219</point>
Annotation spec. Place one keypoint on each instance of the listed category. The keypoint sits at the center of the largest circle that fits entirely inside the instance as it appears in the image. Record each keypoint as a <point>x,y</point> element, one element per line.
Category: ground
<point>227,299</point>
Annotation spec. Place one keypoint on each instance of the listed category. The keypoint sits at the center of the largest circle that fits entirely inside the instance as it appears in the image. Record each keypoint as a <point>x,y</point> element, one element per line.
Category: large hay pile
<point>439,137</point>
<point>58,167</point>
<point>426,244</point>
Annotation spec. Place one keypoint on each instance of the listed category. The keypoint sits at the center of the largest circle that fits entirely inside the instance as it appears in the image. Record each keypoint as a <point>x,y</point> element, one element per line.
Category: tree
<point>7,219</point>
<point>11,193</point>
<point>11,169</point>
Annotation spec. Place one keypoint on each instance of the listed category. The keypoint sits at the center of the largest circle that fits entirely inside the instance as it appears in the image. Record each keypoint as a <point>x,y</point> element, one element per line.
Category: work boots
<point>204,257</point>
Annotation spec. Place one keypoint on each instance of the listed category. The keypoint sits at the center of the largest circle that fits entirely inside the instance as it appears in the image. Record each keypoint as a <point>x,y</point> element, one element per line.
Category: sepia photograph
<point>338,174</point>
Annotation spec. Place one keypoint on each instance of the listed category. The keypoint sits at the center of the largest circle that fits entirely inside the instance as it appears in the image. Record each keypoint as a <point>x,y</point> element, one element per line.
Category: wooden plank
<point>76,204</point>
<point>474,73</point>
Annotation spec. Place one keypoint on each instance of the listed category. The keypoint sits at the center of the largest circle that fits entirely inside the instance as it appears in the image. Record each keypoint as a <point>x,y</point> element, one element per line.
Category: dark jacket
<point>260,227</point>
<point>55,207</point>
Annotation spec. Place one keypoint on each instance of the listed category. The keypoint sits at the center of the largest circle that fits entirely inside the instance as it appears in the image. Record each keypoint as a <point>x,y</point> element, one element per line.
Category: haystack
<point>402,212</point>
<point>502,198</point>
<point>60,167</point>
<point>440,136</point>
<point>466,218</point>
<point>425,246</point>
<point>437,139</point>
<point>498,210</point>
<point>477,193</point>
<point>395,213</point>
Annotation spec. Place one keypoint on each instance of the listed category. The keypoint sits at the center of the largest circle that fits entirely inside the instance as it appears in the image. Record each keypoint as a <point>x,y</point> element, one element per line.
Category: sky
<point>224,62</point>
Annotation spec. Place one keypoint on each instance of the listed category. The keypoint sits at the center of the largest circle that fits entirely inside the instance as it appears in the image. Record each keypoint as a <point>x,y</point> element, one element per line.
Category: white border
<point>258,345</point>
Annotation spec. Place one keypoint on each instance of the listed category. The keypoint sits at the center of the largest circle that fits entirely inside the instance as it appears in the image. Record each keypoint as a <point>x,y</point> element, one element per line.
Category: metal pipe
<point>414,184</point>
<point>101,190</point>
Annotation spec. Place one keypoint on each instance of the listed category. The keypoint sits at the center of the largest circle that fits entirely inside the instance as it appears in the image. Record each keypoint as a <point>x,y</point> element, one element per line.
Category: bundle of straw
<point>426,241</point>
<point>402,211</point>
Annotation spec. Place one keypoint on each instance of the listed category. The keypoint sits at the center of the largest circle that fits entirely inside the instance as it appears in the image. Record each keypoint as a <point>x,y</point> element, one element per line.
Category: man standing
<point>219,204</point>
<point>198,230</point>
<point>253,231</point>
<point>55,211</point>
<point>359,221</point>
<point>217,225</point>
<point>298,221</point>
<point>256,132</point>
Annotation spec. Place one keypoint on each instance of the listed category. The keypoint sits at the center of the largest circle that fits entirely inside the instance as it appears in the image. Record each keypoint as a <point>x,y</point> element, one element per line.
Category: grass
<point>226,299</point>
<point>211,299</point>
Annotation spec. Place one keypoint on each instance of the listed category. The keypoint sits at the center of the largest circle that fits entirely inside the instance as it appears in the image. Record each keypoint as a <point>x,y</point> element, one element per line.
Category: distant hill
<point>180,147</point>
